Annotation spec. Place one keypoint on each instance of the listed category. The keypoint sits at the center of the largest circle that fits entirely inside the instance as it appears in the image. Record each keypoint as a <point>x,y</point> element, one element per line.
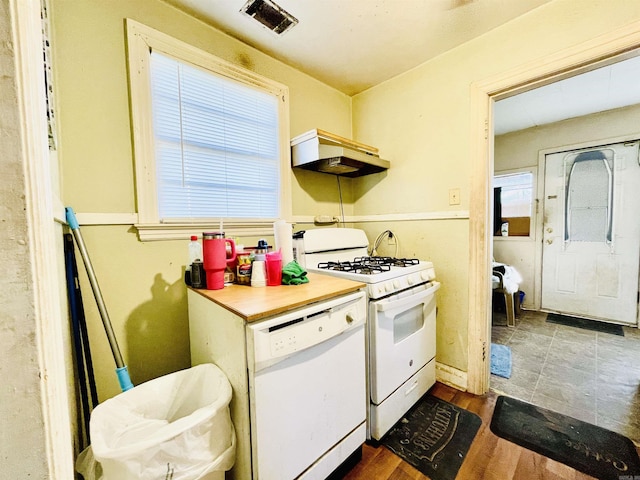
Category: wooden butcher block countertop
<point>257,303</point>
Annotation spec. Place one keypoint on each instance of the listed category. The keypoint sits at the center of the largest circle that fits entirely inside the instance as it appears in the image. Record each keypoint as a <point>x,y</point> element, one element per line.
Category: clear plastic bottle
<point>195,250</point>
<point>195,255</point>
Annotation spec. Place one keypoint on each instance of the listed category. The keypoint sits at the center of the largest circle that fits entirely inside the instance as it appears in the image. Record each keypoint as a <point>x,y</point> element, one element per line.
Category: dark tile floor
<point>588,375</point>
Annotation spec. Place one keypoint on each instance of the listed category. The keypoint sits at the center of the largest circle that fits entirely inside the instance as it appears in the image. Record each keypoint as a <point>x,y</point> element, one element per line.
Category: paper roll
<point>283,235</point>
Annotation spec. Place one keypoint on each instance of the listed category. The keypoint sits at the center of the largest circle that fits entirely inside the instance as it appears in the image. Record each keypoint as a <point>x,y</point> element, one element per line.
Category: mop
<point>84,363</point>
<point>121,368</point>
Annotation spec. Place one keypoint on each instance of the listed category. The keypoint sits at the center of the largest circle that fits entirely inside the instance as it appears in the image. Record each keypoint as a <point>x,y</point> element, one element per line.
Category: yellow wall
<point>142,282</point>
<point>421,121</point>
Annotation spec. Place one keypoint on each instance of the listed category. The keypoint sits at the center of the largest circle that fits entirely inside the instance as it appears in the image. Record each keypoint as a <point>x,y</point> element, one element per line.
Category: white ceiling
<point>613,86</point>
<point>355,44</point>
<point>352,45</point>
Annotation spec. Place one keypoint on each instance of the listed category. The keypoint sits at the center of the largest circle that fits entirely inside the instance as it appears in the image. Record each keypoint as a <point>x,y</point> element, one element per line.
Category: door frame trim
<point>605,49</point>
<point>48,307</point>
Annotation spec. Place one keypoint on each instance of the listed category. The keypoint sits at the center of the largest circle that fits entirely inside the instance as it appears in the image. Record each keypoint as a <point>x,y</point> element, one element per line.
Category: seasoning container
<point>243,269</point>
<point>229,276</point>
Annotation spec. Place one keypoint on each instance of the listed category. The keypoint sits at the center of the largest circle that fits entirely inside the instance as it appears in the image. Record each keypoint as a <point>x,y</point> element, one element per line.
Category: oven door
<point>402,338</point>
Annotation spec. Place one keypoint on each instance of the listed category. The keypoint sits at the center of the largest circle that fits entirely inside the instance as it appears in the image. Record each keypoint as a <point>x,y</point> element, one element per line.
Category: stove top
<point>342,252</point>
<point>383,275</point>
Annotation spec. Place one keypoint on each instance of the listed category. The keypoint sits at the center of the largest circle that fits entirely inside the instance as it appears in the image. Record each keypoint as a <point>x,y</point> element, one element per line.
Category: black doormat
<point>585,324</point>
<point>434,436</point>
<point>590,449</point>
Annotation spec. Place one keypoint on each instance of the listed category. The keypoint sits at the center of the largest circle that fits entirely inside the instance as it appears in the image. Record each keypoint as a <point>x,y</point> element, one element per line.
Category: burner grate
<point>355,267</point>
<point>390,261</point>
<point>369,265</point>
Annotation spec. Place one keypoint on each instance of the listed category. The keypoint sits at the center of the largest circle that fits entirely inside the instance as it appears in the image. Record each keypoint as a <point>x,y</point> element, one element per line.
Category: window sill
<point>180,231</point>
<point>517,238</point>
<point>163,231</point>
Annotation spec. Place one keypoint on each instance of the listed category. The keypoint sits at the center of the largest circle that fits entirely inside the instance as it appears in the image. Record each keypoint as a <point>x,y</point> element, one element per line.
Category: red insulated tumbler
<point>214,250</point>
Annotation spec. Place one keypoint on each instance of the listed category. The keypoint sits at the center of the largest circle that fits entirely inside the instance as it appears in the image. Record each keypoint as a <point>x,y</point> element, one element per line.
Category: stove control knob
<point>410,280</point>
<point>396,283</point>
<point>424,275</point>
<point>388,287</point>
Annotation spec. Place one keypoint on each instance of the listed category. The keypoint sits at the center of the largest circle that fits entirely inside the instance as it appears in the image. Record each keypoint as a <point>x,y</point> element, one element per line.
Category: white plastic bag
<point>175,427</point>
<point>87,466</point>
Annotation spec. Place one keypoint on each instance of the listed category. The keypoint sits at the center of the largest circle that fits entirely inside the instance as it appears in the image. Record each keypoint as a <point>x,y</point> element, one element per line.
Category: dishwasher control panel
<point>303,328</point>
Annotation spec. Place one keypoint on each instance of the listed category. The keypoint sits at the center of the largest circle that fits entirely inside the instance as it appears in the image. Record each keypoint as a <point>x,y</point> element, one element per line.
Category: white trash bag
<point>87,466</point>
<point>176,427</point>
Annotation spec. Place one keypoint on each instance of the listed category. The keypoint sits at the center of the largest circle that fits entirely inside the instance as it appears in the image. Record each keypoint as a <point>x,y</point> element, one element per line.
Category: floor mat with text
<point>588,448</point>
<point>434,436</point>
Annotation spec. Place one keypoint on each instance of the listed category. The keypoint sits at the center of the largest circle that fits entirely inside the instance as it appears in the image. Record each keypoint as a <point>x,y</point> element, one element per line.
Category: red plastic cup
<point>274,268</point>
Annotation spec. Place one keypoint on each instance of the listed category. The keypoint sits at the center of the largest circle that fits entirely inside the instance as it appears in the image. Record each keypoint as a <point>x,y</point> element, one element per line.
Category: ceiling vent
<point>270,15</point>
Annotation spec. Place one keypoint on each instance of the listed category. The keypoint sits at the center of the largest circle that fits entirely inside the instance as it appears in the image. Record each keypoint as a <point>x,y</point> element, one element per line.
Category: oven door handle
<point>409,300</point>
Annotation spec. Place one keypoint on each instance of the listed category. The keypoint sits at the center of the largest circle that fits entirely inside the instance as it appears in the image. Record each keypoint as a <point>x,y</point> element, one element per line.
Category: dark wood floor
<point>489,457</point>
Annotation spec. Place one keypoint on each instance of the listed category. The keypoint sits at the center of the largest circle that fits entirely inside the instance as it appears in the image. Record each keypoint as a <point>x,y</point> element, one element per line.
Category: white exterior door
<point>591,233</point>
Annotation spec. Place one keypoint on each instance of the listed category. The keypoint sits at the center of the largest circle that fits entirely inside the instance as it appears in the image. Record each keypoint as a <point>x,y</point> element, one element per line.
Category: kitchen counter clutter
<point>252,304</point>
<point>295,358</point>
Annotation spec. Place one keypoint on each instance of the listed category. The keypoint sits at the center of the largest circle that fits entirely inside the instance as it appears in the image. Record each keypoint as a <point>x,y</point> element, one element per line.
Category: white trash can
<point>177,427</point>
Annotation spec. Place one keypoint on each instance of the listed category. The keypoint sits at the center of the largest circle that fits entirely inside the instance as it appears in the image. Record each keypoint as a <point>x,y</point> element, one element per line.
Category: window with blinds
<point>210,140</point>
<point>216,144</point>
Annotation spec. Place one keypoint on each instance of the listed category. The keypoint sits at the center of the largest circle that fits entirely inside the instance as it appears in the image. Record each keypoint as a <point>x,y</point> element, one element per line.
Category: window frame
<point>534,201</point>
<point>141,40</point>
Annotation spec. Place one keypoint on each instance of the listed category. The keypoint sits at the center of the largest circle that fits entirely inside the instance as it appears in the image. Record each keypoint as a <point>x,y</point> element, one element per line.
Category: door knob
<point>549,230</point>
<point>549,241</point>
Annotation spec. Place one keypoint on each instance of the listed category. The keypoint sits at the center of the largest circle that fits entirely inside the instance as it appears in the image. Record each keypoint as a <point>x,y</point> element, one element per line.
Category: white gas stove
<point>343,252</point>
<point>401,320</point>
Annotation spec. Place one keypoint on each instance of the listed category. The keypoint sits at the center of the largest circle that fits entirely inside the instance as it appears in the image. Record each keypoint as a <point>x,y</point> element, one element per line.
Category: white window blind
<point>216,145</point>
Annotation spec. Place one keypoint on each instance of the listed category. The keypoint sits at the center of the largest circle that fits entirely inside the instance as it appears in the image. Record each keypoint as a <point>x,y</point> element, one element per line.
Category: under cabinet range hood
<point>325,152</point>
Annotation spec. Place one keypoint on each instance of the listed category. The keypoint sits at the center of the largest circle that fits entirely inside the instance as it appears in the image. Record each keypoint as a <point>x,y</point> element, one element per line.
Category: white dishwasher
<point>307,389</point>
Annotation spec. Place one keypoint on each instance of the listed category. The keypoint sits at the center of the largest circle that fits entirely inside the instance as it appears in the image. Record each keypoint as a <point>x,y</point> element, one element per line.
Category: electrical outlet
<point>325,220</point>
<point>454,196</point>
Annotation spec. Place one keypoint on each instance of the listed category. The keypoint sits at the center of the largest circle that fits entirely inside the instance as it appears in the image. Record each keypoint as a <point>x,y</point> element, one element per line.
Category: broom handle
<point>121,370</point>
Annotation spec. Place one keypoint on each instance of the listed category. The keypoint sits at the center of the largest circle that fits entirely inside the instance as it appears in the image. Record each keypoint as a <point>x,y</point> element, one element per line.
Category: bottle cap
<point>262,247</point>
<point>194,238</point>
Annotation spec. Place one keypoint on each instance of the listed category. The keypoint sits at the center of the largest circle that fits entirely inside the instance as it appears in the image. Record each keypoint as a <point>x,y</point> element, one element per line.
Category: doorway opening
<point>484,95</point>
<point>609,48</point>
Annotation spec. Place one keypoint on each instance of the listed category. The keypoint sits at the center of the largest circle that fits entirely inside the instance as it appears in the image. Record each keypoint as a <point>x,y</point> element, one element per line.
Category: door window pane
<point>588,209</point>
